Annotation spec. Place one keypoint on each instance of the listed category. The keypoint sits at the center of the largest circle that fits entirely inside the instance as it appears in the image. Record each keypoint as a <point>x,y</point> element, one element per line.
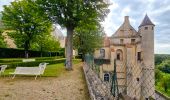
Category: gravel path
<point>68,86</point>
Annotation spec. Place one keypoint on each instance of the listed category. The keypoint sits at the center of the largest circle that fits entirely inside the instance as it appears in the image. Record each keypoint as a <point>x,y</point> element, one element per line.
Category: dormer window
<point>121,41</point>
<point>146,28</point>
<point>132,40</point>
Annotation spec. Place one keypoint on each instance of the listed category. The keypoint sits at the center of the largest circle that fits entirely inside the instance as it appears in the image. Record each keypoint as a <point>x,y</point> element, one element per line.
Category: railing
<point>134,81</point>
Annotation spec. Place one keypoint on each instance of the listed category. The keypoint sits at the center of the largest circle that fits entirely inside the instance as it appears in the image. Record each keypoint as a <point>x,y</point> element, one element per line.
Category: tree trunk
<point>26,53</point>
<point>26,48</point>
<point>69,48</point>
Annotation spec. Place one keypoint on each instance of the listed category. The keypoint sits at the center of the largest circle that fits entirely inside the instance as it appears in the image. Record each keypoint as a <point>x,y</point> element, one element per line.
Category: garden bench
<point>2,69</point>
<point>30,70</point>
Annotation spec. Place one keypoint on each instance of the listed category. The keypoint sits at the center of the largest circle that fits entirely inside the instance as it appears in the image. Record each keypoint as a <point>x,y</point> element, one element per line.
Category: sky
<point>157,10</point>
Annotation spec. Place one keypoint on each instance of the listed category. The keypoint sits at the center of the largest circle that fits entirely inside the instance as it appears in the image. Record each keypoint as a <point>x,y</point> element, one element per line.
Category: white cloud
<point>4,2</point>
<point>161,48</point>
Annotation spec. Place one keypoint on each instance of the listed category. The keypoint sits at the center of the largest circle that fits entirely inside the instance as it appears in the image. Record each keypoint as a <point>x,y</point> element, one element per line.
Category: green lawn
<point>53,70</point>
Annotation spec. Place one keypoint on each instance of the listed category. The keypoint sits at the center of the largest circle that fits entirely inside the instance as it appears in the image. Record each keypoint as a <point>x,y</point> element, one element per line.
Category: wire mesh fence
<point>127,80</point>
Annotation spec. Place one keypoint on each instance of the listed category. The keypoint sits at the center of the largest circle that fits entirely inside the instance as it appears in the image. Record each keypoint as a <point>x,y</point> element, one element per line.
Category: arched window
<point>106,77</point>
<point>119,54</point>
<point>102,53</point>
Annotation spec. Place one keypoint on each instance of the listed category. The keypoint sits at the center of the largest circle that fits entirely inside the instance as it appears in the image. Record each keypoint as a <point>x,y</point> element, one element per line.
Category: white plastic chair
<point>2,69</point>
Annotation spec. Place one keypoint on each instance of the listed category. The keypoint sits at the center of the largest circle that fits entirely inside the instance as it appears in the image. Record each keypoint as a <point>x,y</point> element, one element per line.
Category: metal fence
<point>127,80</point>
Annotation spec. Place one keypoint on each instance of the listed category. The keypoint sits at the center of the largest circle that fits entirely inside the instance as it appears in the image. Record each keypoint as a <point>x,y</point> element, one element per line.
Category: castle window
<point>152,28</point>
<point>132,40</point>
<point>139,58</point>
<point>146,28</point>
<point>102,53</point>
<point>118,56</point>
<point>106,77</point>
<point>121,41</point>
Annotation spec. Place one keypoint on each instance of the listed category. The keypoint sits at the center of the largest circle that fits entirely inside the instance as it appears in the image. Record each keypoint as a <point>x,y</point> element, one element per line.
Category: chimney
<point>126,19</point>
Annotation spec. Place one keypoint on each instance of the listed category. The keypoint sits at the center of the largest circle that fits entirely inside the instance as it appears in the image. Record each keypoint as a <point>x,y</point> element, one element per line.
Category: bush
<point>164,66</point>
<point>20,53</point>
<point>34,63</point>
<point>11,60</point>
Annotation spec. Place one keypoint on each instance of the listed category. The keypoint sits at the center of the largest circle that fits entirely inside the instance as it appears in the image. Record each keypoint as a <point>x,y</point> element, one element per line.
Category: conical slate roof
<point>125,30</point>
<point>146,21</point>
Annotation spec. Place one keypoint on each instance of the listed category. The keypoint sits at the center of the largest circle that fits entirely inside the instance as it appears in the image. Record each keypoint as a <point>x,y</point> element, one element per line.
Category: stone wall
<point>98,89</point>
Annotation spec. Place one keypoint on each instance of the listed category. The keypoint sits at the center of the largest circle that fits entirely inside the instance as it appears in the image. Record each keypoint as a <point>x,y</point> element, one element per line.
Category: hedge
<point>10,60</point>
<point>20,53</point>
<point>34,63</point>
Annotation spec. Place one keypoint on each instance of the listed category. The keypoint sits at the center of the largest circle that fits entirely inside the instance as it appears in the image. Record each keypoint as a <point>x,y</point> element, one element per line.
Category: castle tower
<point>146,29</point>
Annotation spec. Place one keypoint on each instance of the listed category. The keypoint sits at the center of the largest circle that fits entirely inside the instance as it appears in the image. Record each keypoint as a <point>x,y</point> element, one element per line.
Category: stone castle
<point>133,52</point>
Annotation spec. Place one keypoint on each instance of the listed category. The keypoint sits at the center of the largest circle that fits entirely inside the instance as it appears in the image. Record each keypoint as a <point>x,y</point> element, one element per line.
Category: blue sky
<point>157,10</point>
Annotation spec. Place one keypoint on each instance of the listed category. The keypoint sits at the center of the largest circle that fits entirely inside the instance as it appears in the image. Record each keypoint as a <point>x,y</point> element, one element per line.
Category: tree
<point>165,81</point>
<point>25,17</point>
<point>87,39</point>
<point>69,14</point>
<point>3,44</point>
<point>46,43</point>
<point>165,66</point>
<point>158,76</point>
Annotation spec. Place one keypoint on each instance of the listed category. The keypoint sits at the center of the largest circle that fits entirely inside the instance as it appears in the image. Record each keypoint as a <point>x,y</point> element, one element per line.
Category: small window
<point>139,56</point>
<point>152,28</point>
<point>121,41</point>
<point>118,56</point>
<point>102,53</point>
<point>106,77</point>
<point>146,28</point>
<point>132,40</point>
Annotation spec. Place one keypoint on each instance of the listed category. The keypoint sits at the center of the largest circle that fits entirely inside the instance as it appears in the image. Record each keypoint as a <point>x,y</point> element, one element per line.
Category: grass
<point>53,70</point>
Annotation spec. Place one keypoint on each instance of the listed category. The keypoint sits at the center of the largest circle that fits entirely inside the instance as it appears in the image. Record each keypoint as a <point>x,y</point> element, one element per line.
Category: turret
<point>146,30</point>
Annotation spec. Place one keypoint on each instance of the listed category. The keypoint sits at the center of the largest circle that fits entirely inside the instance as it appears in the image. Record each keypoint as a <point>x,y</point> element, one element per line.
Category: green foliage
<point>19,53</point>
<point>46,43</point>
<point>2,42</point>
<point>162,76</point>
<point>164,66</point>
<point>161,57</point>
<point>52,70</point>
<point>164,83</point>
<point>11,60</point>
<point>72,13</point>
<point>34,63</point>
<point>69,13</point>
<point>87,39</point>
<point>158,76</point>
<point>28,21</point>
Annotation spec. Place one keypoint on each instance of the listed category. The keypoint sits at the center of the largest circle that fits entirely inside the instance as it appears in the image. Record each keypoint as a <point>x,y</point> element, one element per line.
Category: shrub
<point>20,53</point>
<point>32,64</point>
